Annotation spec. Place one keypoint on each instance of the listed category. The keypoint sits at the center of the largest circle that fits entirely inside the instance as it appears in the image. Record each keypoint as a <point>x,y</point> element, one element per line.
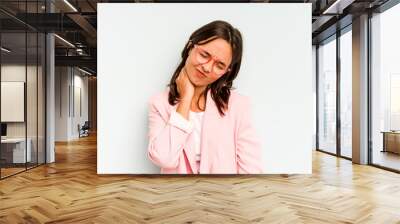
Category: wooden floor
<point>5,172</point>
<point>8,171</point>
<point>387,159</point>
<point>70,191</point>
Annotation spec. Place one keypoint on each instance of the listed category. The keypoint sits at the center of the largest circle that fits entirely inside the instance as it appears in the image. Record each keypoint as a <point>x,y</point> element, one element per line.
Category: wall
<point>71,102</point>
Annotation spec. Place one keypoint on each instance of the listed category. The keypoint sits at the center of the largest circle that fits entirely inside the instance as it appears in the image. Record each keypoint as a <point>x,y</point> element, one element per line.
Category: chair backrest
<point>86,124</point>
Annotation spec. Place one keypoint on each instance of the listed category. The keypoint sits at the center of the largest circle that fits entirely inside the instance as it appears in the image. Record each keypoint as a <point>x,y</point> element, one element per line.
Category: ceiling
<point>76,22</point>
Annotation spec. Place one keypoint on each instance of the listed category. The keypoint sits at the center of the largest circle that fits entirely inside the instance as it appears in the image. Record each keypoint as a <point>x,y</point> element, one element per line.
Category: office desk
<point>15,148</point>
<point>391,141</point>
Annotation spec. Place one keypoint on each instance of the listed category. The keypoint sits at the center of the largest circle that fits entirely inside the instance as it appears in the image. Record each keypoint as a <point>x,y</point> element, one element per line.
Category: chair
<point>84,130</point>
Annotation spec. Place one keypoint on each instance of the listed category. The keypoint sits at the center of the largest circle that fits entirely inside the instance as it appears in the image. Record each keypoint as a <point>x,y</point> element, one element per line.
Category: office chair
<point>84,130</point>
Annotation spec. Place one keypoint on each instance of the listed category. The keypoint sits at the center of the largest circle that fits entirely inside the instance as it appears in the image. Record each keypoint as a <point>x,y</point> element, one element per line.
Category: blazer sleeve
<point>248,145</point>
<point>166,137</point>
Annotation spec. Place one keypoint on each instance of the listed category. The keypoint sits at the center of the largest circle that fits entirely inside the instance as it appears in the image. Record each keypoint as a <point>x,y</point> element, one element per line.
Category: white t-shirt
<point>194,124</point>
<point>197,119</point>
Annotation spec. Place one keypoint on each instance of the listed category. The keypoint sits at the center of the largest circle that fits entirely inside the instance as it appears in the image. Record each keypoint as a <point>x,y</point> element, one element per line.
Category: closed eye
<point>221,65</point>
<point>205,55</point>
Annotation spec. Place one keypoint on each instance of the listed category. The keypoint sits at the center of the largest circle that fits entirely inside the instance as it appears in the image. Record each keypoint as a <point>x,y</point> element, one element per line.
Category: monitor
<point>3,129</point>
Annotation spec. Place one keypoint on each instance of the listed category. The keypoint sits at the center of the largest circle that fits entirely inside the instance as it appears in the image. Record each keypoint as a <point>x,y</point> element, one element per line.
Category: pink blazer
<point>229,144</point>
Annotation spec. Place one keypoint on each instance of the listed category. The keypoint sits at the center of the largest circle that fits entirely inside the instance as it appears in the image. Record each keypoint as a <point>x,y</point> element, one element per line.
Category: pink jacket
<point>229,144</point>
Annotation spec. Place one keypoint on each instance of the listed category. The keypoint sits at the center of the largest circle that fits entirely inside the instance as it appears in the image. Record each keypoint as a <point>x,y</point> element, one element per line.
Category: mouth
<point>200,74</point>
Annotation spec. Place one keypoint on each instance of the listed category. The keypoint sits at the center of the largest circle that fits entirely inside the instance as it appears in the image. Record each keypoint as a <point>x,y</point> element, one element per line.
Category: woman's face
<point>208,62</point>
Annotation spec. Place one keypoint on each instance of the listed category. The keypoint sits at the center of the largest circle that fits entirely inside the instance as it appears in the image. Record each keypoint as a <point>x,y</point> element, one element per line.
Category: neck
<point>198,93</point>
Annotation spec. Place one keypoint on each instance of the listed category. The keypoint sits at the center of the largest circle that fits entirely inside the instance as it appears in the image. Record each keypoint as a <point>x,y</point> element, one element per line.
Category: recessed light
<point>5,50</point>
<point>70,5</point>
<point>64,40</point>
<point>84,71</point>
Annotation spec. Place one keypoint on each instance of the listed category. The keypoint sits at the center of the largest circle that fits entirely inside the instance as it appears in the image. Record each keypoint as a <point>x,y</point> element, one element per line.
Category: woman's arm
<point>248,145</point>
<point>166,137</point>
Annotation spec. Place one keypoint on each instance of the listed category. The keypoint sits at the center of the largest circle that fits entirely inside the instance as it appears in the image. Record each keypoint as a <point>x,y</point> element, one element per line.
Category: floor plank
<point>70,191</point>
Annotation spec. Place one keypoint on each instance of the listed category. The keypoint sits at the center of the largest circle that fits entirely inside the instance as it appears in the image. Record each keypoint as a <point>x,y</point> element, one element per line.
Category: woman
<point>198,125</point>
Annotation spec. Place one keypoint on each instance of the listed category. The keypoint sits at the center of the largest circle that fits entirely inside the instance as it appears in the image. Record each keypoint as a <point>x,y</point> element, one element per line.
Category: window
<point>346,93</point>
<point>327,96</point>
<point>385,89</point>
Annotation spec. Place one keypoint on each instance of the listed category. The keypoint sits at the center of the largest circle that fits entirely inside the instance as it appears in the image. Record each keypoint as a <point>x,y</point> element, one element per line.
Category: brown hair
<point>220,89</point>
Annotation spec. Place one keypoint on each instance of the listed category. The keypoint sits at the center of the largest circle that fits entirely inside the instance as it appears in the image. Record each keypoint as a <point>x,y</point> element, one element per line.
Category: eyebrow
<point>218,59</point>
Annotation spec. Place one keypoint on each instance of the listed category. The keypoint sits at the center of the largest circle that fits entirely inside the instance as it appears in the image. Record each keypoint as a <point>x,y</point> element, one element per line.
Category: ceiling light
<point>338,6</point>
<point>84,71</point>
<point>70,5</point>
<point>5,50</point>
<point>64,40</point>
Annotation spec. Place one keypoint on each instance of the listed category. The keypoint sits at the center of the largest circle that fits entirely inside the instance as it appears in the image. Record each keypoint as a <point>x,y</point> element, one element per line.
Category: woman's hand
<point>186,92</point>
<point>185,86</point>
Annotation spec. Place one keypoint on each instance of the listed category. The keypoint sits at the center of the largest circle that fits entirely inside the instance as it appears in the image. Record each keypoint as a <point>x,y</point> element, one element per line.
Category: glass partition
<point>13,109</point>
<point>22,77</point>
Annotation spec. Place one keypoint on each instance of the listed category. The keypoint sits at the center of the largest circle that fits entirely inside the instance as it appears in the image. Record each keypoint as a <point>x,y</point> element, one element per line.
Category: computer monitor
<point>3,129</point>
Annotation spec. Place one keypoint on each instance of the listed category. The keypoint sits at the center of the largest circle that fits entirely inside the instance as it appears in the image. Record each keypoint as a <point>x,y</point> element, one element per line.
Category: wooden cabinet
<point>391,142</point>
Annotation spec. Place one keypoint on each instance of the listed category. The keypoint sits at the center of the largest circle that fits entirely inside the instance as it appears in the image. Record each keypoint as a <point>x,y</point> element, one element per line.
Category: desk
<point>16,151</point>
<point>391,141</point>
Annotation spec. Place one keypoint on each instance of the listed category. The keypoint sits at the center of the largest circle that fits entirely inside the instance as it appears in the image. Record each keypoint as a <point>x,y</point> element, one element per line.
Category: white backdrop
<point>139,47</point>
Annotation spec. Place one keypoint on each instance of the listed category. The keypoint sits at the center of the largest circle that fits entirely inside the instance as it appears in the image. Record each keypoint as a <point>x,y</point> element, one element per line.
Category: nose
<point>207,66</point>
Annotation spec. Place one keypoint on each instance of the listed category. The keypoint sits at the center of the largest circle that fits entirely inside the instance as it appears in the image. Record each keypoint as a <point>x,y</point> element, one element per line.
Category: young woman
<point>198,125</point>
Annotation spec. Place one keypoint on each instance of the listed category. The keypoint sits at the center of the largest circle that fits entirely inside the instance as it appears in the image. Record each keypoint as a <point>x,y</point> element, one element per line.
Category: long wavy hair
<point>221,88</point>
